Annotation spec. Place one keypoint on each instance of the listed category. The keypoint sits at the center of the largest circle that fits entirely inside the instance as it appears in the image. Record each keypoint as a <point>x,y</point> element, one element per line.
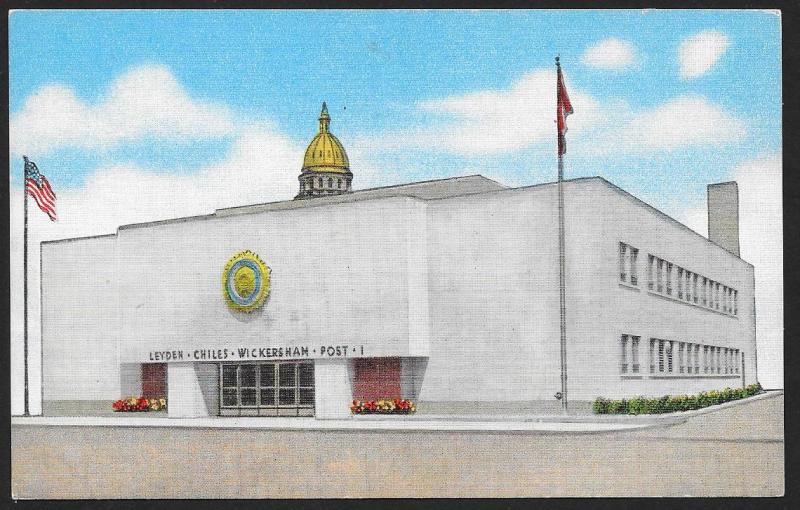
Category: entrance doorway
<point>284,388</point>
<point>154,380</point>
<point>376,378</point>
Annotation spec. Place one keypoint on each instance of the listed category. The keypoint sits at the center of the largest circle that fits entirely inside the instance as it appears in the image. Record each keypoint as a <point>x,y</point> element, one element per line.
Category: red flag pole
<point>561,249</point>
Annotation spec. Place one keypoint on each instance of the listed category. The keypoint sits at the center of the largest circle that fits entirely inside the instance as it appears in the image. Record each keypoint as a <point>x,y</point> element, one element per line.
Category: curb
<point>665,418</point>
<point>529,424</point>
<point>311,424</point>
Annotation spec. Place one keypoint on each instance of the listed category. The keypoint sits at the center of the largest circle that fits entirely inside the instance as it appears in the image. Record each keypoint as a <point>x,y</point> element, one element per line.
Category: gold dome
<point>325,152</point>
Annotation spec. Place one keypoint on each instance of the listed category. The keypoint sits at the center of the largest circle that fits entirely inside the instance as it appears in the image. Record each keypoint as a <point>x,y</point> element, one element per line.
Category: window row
<point>309,183</point>
<point>672,357</point>
<point>671,280</point>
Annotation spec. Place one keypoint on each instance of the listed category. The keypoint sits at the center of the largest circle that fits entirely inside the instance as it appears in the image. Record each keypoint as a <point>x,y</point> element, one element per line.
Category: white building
<point>445,292</point>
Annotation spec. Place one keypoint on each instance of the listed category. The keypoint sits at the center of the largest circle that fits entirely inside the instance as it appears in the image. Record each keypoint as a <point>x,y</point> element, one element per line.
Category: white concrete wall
<point>340,276</point>
<point>618,310</point>
<point>333,392</point>
<point>130,375</point>
<point>192,390</point>
<point>80,320</point>
<point>493,297</point>
<point>470,282</point>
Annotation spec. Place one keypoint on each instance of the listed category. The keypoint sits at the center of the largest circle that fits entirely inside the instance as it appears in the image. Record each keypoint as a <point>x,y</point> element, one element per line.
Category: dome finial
<point>324,119</point>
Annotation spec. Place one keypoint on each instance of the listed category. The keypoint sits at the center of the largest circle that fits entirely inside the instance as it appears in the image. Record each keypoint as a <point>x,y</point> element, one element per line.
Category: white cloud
<point>700,52</point>
<point>147,101</point>
<point>497,121</point>
<point>682,122</point>
<point>610,54</point>
<point>761,244</point>
<point>490,122</point>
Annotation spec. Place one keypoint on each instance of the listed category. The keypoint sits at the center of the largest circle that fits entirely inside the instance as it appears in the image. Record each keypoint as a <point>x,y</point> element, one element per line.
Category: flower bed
<point>672,403</point>
<point>139,404</point>
<point>383,406</point>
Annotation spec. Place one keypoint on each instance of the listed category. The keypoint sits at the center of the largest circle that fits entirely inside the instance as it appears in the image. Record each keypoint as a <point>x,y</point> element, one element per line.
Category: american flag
<point>37,186</point>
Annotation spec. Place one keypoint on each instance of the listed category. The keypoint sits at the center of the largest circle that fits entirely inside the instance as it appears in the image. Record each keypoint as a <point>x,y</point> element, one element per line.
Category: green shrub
<point>637,405</point>
<point>600,406</point>
<point>673,403</point>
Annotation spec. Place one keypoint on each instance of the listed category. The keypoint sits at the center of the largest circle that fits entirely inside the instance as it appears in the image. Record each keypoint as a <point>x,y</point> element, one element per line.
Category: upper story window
<point>679,283</point>
<point>660,275</point>
<point>628,256</point>
<point>669,278</point>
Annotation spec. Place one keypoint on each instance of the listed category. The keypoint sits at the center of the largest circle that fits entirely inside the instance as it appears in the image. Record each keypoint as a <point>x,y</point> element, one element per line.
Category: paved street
<point>734,452</point>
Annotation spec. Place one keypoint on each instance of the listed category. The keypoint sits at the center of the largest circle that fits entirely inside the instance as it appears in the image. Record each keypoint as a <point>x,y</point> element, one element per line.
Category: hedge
<point>672,403</point>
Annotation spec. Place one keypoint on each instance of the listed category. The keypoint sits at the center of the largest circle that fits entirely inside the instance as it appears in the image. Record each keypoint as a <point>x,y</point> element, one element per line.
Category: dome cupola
<point>326,169</point>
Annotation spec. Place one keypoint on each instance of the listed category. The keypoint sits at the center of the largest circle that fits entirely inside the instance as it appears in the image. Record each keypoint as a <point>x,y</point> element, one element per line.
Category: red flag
<point>563,108</point>
<point>37,186</point>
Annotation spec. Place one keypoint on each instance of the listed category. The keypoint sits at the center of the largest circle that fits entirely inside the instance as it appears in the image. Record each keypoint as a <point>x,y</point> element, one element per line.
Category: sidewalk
<point>496,423</point>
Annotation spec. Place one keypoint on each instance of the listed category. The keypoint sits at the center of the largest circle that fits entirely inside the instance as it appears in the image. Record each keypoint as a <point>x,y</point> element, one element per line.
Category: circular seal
<point>245,281</point>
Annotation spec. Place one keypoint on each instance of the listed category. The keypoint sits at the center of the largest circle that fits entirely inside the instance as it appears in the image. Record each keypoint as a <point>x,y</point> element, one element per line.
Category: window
<point>670,346</point>
<point>716,296</point>
<point>680,282</point>
<point>735,302</point>
<point>705,359</point>
<point>339,183</point>
<point>652,356</point>
<point>623,367</point>
<point>669,278</point>
<point>623,275</point>
<point>660,275</point>
<point>688,286</point>
<point>627,264</point>
<point>689,357</point>
<point>717,360</point>
<point>650,263</point>
<point>711,293</point>
<point>726,360</point>
<point>254,389</point>
<point>330,182</point>
<point>705,290</point>
<point>661,356</point>
<point>629,354</point>
<point>680,357</point>
<point>696,359</point>
<point>320,182</point>
<point>725,299</point>
<point>694,288</point>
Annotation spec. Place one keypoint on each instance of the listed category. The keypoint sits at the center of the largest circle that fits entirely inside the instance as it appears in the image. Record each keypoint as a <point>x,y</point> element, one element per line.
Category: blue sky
<point>373,68</point>
<point>121,108</point>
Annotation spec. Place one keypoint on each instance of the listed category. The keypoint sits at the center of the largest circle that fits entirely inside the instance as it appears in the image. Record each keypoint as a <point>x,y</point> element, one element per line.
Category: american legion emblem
<point>245,281</point>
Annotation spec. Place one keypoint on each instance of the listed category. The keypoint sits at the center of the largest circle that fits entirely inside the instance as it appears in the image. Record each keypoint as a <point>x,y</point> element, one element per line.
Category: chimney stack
<point>723,215</point>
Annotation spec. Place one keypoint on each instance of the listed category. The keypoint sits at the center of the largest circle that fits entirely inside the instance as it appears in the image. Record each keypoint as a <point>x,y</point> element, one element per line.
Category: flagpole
<point>25,279</point>
<point>561,257</point>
